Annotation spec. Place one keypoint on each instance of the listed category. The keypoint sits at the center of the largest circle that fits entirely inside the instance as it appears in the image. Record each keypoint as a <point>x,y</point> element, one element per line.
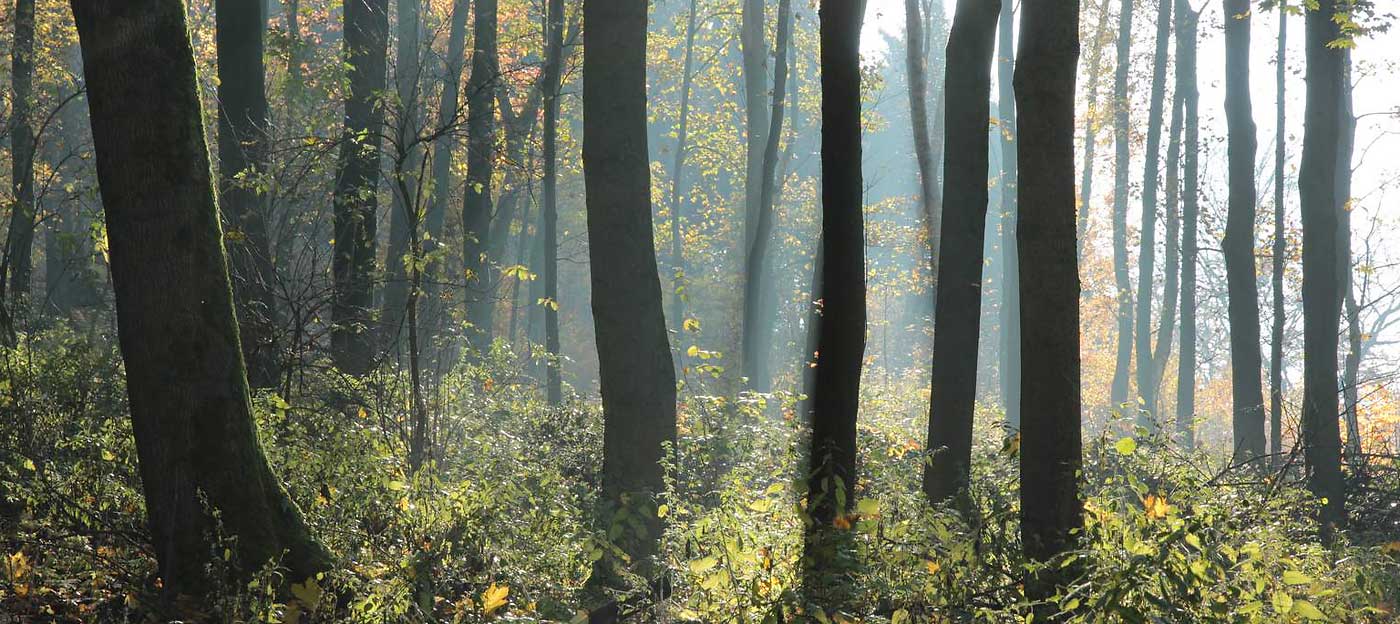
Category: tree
<point>1118,393</point>
<point>1009,364</point>
<point>243,119</point>
<point>958,305</point>
<point>481,153</point>
<point>19,244</point>
<point>1186,20</point>
<point>1147,250</point>
<point>1280,245</point>
<point>190,409</point>
<point>759,299</point>
<point>435,215</point>
<point>916,47</point>
<point>754,55</point>
<point>407,155</point>
<point>356,183</point>
<point>1091,126</point>
<point>553,68</point>
<point>677,176</point>
<point>1051,512</point>
<point>636,376</point>
<point>1321,205</point>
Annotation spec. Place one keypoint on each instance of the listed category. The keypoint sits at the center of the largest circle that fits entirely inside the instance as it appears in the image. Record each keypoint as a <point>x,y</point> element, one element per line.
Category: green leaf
<point>1307,610</point>
<point>702,564</point>
<point>1126,446</point>
<point>1294,577</point>
<point>868,507</point>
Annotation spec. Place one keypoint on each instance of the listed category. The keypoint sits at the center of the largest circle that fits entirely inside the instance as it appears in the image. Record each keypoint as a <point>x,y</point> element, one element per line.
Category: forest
<point>699,311</point>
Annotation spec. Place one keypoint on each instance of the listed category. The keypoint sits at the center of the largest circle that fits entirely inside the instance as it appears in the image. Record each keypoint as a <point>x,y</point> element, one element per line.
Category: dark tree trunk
<point>190,410</point>
<point>1051,448</point>
<point>1171,276</point>
<point>243,119</point>
<point>916,63</point>
<point>19,245</point>
<point>356,185</point>
<point>1280,246</point>
<point>476,207</point>
<point>407,152</point>
<point>1147,249</point>
<point>958,305</point>
<point>1246,362</point>
<point>435,214</point>
<point>1190,214</point>
<point>754,55</point>
<point>835,382</point>
<point>760,304</point>
<point>1091,129</point>
<point>1321,206</point>
<point>677,177</point>
<point>553,69</point>
<point>1009,356</point>
<point>1118,392</point>
<point>636,376</point>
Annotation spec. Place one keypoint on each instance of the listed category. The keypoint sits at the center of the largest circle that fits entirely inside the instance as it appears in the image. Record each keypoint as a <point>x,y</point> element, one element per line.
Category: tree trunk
<point>958,307</point>
<point>1352,365</point>
<point>243,119</point>
<point>916,63</point>
<point>1009,356</point>
<point>677,176</point>
<point>553,68</point>
<point>1147,249</point>
<point>1091,129</point>
<point>1171,284</point>
<point>190,410</point>
<point>1238,246</point>
<point>760,305</point>
<point>19,245</point>
<point>1118,392</point>
<point>476,207</point>
<point>408,156</point>
<point>636,376</point>
<point>1321,206</point>
<point>435,215</point>
<point>756,120</point>
<point>1280,246</point>
<point>356,185</point>
<point>1051,448</point>
<point>1187,19</point>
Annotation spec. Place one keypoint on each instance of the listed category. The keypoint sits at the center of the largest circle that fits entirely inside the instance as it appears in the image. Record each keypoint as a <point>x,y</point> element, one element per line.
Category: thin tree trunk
<point>243,126</point>
<point>760,313</point>
<point>1009,356</point>
<point>1280,246</point>
<point>1091,130</point>
<point>1352,365</point>
<point>1171,276</point>
<point>19,246</point>
<point>408,123</point>
<point>677,177</point>
<point>554,56</point>
<point>1238,246</point>
<point>1187,19</point>
<point>476,207</point>
<point>958,307</point>
<point>754,55</point>
<point>1118,392</point>
<point>636,377</point>
<point>1317,186</point>
<point>916,64</point>
<point>191,415</point>
<point>1051,512</point>
<point>1147,249</point>
<point>356,186</point>
<point>447,115</point>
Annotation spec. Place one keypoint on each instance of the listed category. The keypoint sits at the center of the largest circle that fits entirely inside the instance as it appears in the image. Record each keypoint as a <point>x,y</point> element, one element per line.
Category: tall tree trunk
<point>1009,356</point>
<point>481,146</point>
<point>677,177</point>
<point>1091,129</point>
<point>191,415</point>
<point>1147,249</point>
<point>1238,246</point>
<point>68,248</point>
<point>959,302</point>
<point>1118,392</point>
<point>636,376</point>
<point>916,64</point>
<point>1051,512</point>
<point>1280,245</point>
<point>1352,365</point>
<point>243,119</point>
<point>553,68</point>
<point>356,185</point>
<point>835,388</point>
<point>1187,19</point>
<point>1171,284</point>
<point>435,215</point>
<point>760,304</point>
<point>19,244</point>
<point>1321,206</point>
<point>408,156</point>
<point>754,53</point>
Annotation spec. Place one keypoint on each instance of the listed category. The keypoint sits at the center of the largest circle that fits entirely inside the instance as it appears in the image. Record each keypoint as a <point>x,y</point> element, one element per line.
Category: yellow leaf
<point>1156,507</point>
<point>494,598</point>
<point>932,566</point>
<point>691,325</point>
<point>841,522</point>
<point>107,455</point>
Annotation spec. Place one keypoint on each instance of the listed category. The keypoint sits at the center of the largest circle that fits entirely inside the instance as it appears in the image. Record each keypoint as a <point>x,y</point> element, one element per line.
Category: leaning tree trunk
<point>636,376</point>
<point>356,185</point>
<point>1009,358</point>
<point>243,156</point>
<point>1051,447</point>
<point>760,305</point>
<point>190,410</point>
<point>19,244</point>
<point>1190,201</point>
<point>916,63</point>
<point>1246,362</point>
<point>1280,246</point>
<point>959,301</point>
<point>549,218</point>
<point>1147,249</point>
<point>1118,392</point>
<point>481,147</point>
<point>1317,187</point>
<point>407,155</point>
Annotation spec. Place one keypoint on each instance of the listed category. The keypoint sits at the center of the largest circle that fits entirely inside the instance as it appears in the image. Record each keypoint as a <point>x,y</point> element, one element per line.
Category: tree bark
<point>1187,19</point>
<point>636,376</point>
<point>1009,356</point>
<point>356,186</point>
<point>916,64</point>
<point>1051,512</point>
<point>1171,276</point>
<point>553,68</point>
<point>1147,250</point>
<point>1238,246</point>
<point>190,410</point>
<point>407,157</point>
<point>243,157</point>
<point>677,176</point>
<point>754,53</point>
<point>1118,392</point>
<point>448,112</point>
<point>1280,247</point>
<point>958,306</point>
<point>476,207</point>
<point>1321,206</point>
<point>19,246</point>
<point>1352,363</point>
<point>1091,129</point>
